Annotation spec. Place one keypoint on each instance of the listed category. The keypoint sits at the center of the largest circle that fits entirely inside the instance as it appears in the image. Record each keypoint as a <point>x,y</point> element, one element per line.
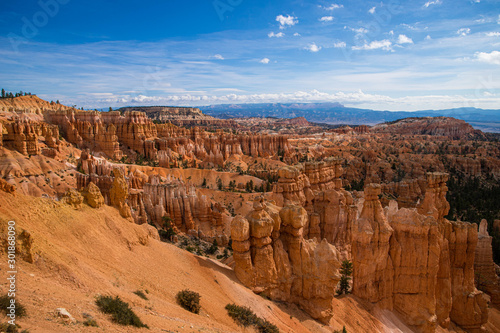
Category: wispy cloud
<point>332,6</point>
<point>278,35</point>
<point>403,39</point>
<point>463,31</point>
<point>326,19</point>
<point>372,10</point>
<point>313,47</point>
<point>286,21</point>
<point>493,34</point>
<point>339,45</point>
<point>218,57</point>
<point>432,2</point>
<point>489,58</point>
<point>376,44</point>
<point>265,61</point>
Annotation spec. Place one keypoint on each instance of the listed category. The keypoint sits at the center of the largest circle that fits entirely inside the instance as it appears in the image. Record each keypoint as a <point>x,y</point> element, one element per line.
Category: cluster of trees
<point>6,94</point>
<point>473,199</point>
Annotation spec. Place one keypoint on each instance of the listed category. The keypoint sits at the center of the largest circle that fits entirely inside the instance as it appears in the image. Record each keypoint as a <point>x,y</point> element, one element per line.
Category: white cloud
<point>355,98</point>
<point>296,34</point>
<point>476,1</point>
<point>278,35</point>
<point>332,7</point>
<point>493,34</point>
<point>313,47</point>
<point>432,2</point>
<point>286,21</point>
<point>410,27</point>
<point>376,44</point>
<point>339,45</point>
<point>372,10</point>
<point>265,61</point>
<point>326,19</point>
<point>360,30</point>
<point>403,39</point>
<point>428,37</point>
<point>218,57</point>
<point>463,31</point>
<point>489,58</point>
<point>391,32</point>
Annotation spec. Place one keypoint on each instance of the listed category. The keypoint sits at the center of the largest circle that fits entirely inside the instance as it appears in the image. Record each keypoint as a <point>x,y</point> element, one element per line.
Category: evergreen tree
<point>3,93</point>
<point>346,272</point>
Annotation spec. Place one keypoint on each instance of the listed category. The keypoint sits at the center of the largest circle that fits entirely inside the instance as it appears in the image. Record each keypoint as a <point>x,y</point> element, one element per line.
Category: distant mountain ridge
<point>336,113</point>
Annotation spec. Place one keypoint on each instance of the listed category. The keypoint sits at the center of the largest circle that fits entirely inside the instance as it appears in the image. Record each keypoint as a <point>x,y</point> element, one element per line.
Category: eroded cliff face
<point>416,262</point>
<point>273,258</point>
<point>484,267</point>
<point>31,137</point>
<point>112,134</point>
<point>330,208</point>
<point>150,198</point>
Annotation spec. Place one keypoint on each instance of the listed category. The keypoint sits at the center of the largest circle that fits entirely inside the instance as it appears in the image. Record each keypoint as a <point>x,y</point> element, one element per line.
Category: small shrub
<point>8,328</point>
<point>5,302</point>
<point>141,294</point>
<point>90,322</point>
<point>242,315</point>
<point>339,331</point>
<point>119,310</point>
<point>189,300</point>
<point>263,326</point>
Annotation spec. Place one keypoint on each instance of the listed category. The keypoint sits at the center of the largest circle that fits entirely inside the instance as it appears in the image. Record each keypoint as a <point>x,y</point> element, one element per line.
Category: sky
<point>385,55</point>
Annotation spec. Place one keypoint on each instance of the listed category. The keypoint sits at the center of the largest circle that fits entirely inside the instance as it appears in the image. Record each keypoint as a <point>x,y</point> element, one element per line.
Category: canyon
<point>289,203</point>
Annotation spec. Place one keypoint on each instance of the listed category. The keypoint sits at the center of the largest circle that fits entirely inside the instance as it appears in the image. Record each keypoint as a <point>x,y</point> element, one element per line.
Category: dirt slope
<point>80,254</point>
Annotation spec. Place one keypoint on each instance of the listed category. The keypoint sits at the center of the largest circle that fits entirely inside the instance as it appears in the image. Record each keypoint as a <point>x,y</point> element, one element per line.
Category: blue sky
<point>384,55</point>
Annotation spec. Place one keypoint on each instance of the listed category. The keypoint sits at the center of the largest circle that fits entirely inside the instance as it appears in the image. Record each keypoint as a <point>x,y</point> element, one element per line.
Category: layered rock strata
<point>416,262</point>
<point>273,258</point>
<point>330,208</point>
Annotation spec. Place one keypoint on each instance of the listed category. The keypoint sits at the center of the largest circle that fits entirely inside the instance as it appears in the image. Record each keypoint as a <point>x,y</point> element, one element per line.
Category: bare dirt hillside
<point>82,253</point>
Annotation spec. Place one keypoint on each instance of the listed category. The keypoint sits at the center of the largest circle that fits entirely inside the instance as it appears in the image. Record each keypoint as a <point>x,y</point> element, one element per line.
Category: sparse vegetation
<point>119,310</point>
<point>244,316</point>
<point>167,232</point>
<point>214,247</point>
<point>8,328</point>
<point>141,294</point>
<point>90,322</point>
<point>5,301</point>
<point>264,326</point>
<point>189,300</point>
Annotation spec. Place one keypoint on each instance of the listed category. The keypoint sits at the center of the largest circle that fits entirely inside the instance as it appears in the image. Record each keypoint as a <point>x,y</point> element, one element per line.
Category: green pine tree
<point>346,272</point>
